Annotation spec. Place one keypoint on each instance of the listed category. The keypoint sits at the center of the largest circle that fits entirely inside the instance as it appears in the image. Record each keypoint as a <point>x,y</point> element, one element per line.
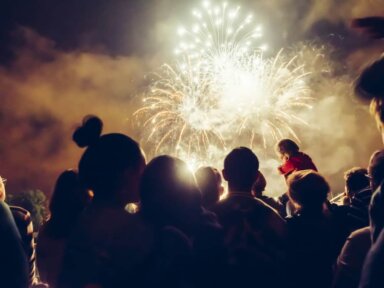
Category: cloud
<point>45,92</point>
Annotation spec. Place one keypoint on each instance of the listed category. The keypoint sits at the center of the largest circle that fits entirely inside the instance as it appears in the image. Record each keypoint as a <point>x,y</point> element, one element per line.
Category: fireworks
<point>220,33</point>
<point>221,89</point>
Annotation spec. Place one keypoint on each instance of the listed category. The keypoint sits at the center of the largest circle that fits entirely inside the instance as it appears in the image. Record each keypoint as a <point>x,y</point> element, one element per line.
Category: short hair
<point>287,146</point>
<point>376,168</point>
<point>241,167</point>
<point>168,191</point>
<point>370,86</point>
<point>307,189</point>
<point>208,179</point>
<point>356,179</point>
<point>259,185</point>
<point>370,83</point>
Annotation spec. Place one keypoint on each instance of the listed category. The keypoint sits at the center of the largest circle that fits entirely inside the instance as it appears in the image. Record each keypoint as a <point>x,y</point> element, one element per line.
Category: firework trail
<point>221,89</point>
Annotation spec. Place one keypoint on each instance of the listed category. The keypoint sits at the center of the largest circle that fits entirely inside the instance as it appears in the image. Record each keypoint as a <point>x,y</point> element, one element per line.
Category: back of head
<point>376,209</point>
<point>356,179</point>
<point>241,168</point>
<point>376,169</point>
<point>68,200</point>
<point>209,181</point>
<point>370,87</point>
<point>370,83</point>
<point>259,185</point>
<point>308,190</point>
<point>106,160</point>
<point>168,191</point>
<point>287,146</point>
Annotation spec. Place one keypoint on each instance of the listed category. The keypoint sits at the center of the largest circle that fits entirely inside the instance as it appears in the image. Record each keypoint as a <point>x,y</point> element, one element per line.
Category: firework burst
<point>221,89</point>
<point>181,112</point>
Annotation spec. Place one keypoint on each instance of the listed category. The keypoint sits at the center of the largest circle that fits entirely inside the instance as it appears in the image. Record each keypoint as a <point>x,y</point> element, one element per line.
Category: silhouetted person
<point>24,225</point>
<point>370,86</point>
<point>351,259</point>
<point>254,232</point>
<point>358,196</point>
<point>372,272</point>
<point>293,160</point>
<point>14,268</point>
<point>68,201</point>
<point>315,234</point>
<point>109,247</point>
<point>376,173</point>
<point>170,197</point>
<point>210,184</point>
<point>258,189</point>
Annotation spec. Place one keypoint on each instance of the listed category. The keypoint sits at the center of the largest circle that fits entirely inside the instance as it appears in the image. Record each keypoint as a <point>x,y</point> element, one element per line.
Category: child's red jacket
<point>300,161</point>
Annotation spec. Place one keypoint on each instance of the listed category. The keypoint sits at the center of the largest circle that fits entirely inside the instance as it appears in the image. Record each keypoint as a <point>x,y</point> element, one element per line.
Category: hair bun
<point>89,132</point>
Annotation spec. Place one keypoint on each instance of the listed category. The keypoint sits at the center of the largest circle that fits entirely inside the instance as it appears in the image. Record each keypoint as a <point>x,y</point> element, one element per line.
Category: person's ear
<point>256,175</point>
<point>224,175</point>
<point>221,190</point>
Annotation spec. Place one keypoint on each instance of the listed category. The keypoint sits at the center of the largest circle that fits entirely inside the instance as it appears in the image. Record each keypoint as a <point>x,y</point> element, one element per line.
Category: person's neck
<point>113,203</point>
<point>236,190</point>
<point>311,211</point>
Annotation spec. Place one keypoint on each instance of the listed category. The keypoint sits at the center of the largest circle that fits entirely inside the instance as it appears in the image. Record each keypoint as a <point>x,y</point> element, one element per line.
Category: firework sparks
<point>180,111</point>
<point>221,89</point>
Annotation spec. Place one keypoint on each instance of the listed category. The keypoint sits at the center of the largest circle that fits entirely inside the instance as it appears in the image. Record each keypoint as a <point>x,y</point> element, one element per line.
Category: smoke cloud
<point>45,94</point>
<point>46,91</point>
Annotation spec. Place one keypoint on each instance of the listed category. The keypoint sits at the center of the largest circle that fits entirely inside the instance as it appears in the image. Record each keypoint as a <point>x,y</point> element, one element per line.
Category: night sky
<point>61,60</point>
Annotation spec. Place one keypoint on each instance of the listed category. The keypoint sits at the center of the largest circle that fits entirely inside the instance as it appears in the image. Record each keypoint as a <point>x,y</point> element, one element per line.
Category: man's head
<point>370,86</point>
<point>241,168</point>
<point>356,179</point>
<point>376,169</point>
<point>376,208</point>
<point>259,186</point>
<point>307,189</point>
<point>209,181</point>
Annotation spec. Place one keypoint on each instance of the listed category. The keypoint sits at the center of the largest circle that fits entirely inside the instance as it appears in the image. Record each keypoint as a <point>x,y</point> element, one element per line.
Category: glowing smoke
<point>222,88</point>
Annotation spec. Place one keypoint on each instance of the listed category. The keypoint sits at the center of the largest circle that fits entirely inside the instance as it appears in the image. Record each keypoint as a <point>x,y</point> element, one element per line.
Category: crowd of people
<point>118,221</point>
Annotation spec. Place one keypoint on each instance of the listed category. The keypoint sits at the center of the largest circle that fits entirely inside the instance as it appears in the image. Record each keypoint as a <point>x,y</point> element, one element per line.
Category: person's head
<point>2,188</point>
<point>308,190</point>
<point>111,165</point>
<point>241,168</point>
<point>169,193</point>
<point>376,208</point>
<point>376,214</point>
<point>376,169</point>
<point>286,148</point>
<point>209,182</point>
<point>370,86</point>
<point>356,179</point>
<point>259,186</point>
<point>69,197</point>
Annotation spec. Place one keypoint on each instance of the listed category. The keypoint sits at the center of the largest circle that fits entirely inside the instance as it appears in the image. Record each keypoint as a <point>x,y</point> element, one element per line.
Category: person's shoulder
<point>221,205</point>
<point>363,234</point>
